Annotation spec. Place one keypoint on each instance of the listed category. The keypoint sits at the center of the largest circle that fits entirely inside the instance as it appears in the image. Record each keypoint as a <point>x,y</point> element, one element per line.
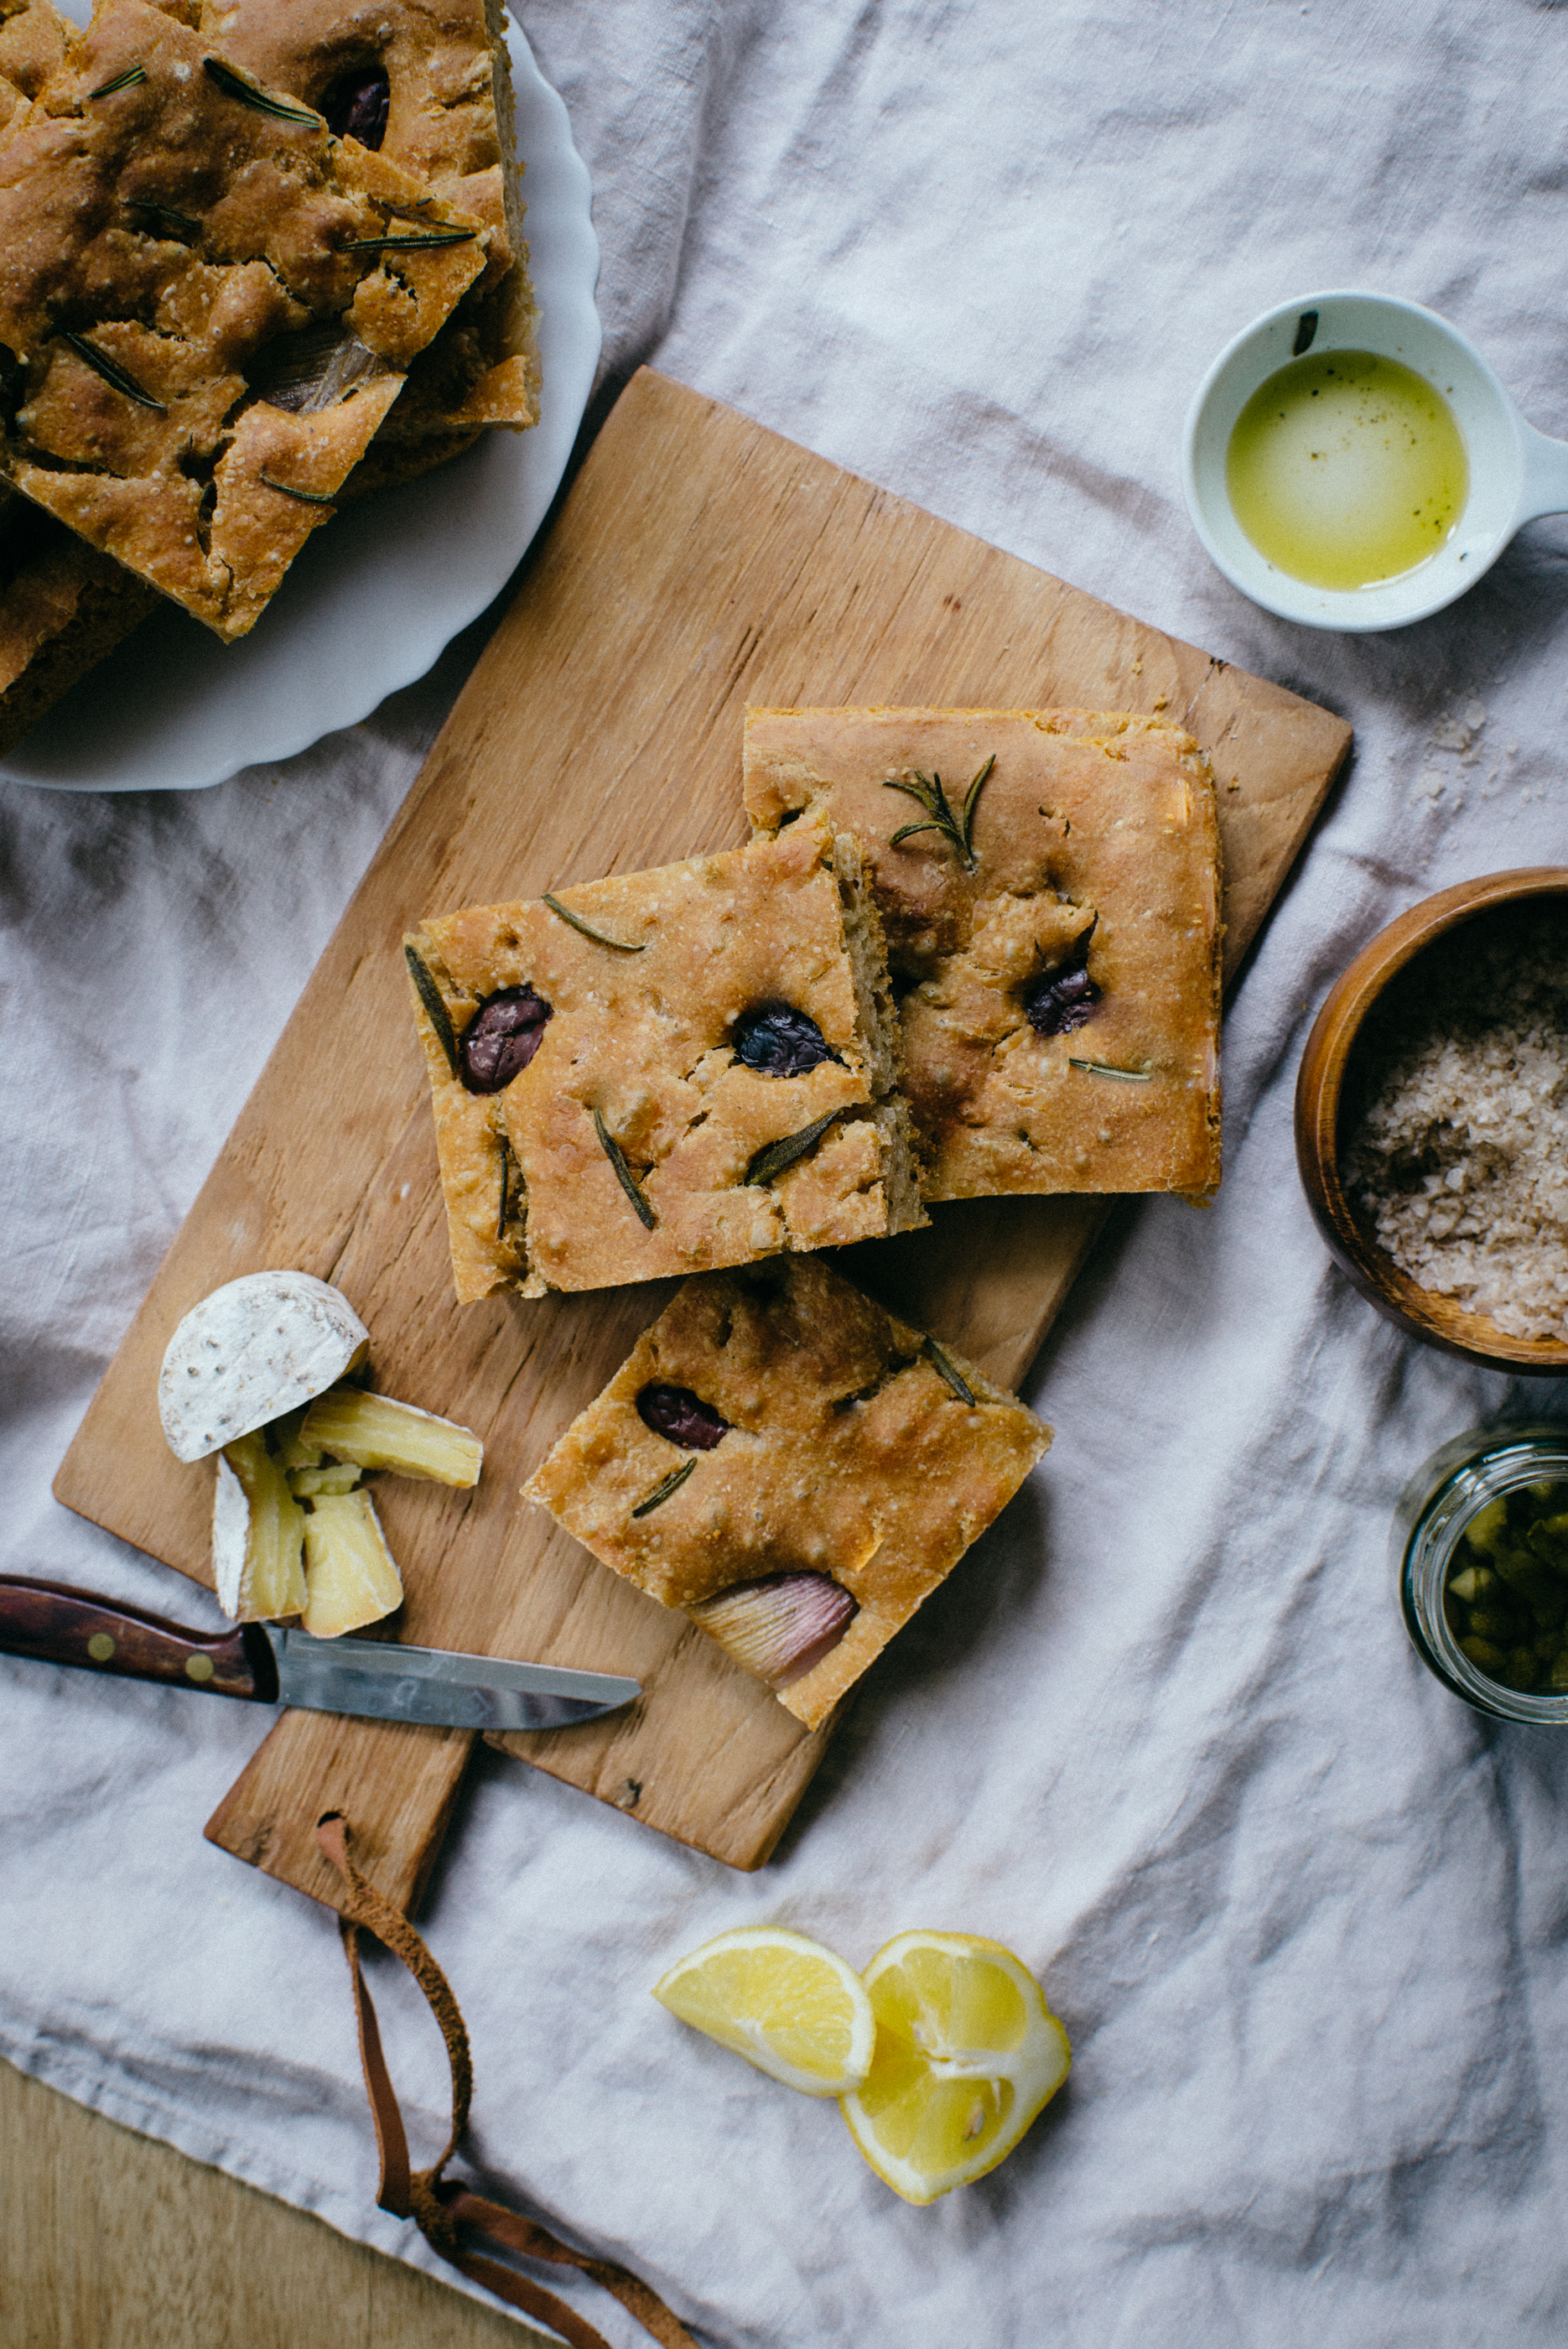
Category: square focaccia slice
<point>792,1466</point>
<point>1049,881</point>
<point>209,304</point>
<point>63,606</point>
<point>34,38</point>
<point>427,84</point>
<point>666,1070</point>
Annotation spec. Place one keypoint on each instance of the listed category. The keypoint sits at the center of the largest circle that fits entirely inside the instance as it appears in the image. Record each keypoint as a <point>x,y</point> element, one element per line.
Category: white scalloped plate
<point>377,595</point>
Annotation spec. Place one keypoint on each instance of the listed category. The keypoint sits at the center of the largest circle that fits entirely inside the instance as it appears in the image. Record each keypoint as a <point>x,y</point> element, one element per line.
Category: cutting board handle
<point>62,1626</point>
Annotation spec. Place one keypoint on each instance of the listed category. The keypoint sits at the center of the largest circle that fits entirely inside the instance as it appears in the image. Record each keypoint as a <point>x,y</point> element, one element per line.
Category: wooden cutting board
<point>699,562</point>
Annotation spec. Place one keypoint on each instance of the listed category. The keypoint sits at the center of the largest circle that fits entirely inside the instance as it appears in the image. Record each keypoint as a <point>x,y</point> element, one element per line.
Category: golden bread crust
<point>1095,835</point>
<point>33,38</point>
<point>186,235</point>
<point>448,122</point>
<point>63,606</point>
<point>645,1040</point>
<point>847,1453</point>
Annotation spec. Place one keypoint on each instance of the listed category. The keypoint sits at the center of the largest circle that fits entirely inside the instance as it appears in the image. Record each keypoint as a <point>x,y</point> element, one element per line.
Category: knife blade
<point>377,1679</point>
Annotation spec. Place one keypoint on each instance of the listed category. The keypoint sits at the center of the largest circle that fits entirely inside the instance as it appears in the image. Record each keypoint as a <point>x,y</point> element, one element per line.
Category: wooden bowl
<point>1320,1085</point>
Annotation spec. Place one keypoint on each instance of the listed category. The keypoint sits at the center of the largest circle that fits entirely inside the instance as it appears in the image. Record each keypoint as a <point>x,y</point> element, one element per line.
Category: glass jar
<point>1435,1508</point>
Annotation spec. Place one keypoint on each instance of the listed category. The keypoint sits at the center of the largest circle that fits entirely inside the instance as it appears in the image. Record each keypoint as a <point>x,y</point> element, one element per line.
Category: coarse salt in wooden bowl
<point>1319,1093</point>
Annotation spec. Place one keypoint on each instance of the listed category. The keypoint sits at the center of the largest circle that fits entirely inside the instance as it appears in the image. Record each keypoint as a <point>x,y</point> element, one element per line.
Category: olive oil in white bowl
<point>1351,461</point>
<point>1346,470</point>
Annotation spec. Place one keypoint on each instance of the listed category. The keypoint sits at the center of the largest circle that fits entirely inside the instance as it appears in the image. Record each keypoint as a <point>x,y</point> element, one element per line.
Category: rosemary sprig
<point>624,1175</point>
<point>777,1156</point>
<point>510,1191</point>
<point>598,937</point>
<point>966,814</point>
<point>663,1488</point>
<point>165,212</point>
<point>306,497</point>
<point>234,85</point>
<point>425,243</point>
<point>1104,1069</point>
<point>111,371</point>
<point>939,817</point>
<point>430,995</point>
<point>127,81</point>
<point>954,1377</point>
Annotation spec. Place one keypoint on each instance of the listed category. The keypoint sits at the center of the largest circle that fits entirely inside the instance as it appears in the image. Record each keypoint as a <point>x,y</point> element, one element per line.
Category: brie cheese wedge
<point>251,1351</point>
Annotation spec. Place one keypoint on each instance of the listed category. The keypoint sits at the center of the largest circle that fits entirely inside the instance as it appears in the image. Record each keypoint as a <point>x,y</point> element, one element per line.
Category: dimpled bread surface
<point>533,1199</point>
<point>847,1453</point>
<point>449,121</point>
<point>34,37</point>
<point>1095,834</point>
<point>185,236</point>
<point>62,605</point>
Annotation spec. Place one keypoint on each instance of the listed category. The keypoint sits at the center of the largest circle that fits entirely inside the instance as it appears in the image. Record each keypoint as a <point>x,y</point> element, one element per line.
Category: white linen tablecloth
<point>1303,1913</point>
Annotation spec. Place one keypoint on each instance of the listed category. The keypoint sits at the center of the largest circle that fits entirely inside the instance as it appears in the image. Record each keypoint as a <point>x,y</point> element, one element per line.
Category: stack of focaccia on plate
<point>967,952</point>
<point>255,259</point>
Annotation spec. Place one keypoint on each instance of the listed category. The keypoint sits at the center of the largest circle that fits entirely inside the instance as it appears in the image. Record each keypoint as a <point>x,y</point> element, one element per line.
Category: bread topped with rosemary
<point>63,606</point>
<point>427,84</point>
<point>207,306</point>
<point>793,1466</point>
<point>1049,881</point>
<point>34,37</point>
<point>664,1071</point>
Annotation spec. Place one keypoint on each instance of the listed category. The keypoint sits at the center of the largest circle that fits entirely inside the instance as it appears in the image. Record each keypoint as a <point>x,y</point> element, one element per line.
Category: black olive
<point>501,1039</point>
<point>1062,1001</point>
<point>682,1416</point>
<point>777,1040</point>
<point>356,107</point>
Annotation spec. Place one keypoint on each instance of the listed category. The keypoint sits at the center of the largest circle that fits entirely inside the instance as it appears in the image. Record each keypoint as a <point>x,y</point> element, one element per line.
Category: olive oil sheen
<point>1344,469</point>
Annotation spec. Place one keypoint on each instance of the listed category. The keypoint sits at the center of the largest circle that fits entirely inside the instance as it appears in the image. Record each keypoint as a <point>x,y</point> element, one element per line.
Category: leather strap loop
<point>440,2208</point>
<point>391,2140</point>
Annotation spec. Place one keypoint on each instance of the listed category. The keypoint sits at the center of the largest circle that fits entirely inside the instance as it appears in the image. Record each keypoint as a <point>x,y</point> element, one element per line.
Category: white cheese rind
<point>230,1537</point>
<point>258,1347</point>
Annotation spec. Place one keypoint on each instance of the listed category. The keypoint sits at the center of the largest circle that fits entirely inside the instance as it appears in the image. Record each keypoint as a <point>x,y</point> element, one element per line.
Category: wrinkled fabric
<point>1303,1913</point>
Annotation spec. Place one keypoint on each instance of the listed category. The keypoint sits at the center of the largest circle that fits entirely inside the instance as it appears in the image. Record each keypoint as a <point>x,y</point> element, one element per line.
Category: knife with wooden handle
<point>378,1680</point>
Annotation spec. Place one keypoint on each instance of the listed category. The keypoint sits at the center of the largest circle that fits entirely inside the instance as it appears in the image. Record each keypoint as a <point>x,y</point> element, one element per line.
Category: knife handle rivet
<point>100,1646</point>
<point>198,1668</point>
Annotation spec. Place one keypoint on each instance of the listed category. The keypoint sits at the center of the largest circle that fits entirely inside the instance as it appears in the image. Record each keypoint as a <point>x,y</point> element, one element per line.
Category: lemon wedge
<point>967,2055</point>
<point>787,2004</point>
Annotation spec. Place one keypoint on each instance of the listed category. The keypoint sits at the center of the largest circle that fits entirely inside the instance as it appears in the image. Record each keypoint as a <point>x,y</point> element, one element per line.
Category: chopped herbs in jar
<point>1506,1596</point>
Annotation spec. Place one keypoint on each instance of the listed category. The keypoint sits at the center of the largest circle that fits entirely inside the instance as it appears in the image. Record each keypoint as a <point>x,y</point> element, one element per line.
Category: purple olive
<point>1062,1001</point>
<point>501,1039</point>
<point>356,107</point>
<point>777,1040</point>
<point>682,1416</point>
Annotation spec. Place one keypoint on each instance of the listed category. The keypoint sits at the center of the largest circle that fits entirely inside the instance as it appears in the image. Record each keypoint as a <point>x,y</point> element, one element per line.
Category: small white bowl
<point>1515,472</point>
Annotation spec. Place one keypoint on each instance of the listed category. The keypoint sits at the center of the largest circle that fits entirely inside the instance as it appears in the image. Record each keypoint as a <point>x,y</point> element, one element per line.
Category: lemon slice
<point>967,2055</point>
<point>787,2004</point>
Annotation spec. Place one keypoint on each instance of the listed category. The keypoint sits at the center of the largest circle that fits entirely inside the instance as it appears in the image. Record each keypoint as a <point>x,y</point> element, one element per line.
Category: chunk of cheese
<point>251,1351</point>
